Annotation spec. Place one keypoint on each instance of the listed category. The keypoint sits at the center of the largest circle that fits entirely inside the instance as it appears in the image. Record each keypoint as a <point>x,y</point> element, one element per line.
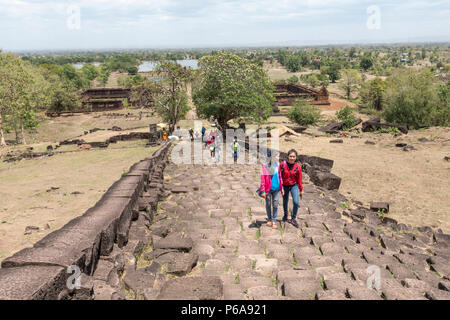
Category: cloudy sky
<point>108,24</point>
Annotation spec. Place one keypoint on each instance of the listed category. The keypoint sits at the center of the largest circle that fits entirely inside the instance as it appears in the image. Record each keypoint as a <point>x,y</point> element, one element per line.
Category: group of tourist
<point>213,141</point>
<point>276,178</point>
<point>284,178</point>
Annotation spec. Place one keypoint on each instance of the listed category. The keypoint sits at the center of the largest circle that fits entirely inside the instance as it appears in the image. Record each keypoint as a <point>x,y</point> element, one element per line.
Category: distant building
<point>287,93</point>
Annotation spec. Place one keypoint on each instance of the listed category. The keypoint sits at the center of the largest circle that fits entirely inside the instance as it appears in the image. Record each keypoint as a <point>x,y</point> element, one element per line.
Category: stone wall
<point>287,93</point>
<point>88,241</point>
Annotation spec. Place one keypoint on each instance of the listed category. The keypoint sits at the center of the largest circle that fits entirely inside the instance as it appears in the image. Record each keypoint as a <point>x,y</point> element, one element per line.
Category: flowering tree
<point>229,87</point>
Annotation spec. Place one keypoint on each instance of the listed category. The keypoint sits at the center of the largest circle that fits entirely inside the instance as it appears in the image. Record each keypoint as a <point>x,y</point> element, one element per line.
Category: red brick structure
<point>100,99</point>
<point>106,93</point>
<point>287,93</point>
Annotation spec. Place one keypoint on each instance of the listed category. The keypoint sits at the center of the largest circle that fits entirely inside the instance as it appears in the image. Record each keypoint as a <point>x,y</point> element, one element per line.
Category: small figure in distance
<point>235,149</point>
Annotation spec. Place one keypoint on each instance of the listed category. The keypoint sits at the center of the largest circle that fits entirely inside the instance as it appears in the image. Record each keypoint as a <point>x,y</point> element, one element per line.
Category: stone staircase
<point>209,240</point>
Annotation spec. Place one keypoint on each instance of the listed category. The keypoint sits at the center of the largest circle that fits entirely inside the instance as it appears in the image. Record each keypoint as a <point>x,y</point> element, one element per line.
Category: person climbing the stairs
<point>291,174</point>
<point>235,149</point>
<point>271,186</point>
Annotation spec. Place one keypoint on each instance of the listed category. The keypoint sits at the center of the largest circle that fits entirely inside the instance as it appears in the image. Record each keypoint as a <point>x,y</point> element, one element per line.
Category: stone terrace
<point>209,240</point>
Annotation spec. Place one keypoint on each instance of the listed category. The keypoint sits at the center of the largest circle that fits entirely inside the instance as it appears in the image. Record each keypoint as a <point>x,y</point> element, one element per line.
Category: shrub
<point>346,115</point>
<point>310,79</point>
<point>293,79</point>
<point>414,99</point>
<point>304,114</point>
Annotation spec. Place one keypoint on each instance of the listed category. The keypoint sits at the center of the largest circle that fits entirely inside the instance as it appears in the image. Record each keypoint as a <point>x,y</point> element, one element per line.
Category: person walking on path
<point>211,145</point>
<point>203,136</point>
<point>271,186</point>
<point>291,174</point>
<point>191,133</point>
<point>235,149</point>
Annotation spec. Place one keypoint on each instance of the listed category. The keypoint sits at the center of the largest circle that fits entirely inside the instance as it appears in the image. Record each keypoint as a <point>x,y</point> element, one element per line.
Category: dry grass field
<point>79,178</point>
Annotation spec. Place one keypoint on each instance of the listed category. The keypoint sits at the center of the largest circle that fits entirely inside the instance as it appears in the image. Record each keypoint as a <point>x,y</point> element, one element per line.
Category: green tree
<point>75,77</point>
<point>424,53</point>
<point>130,81</point>
<point>168,96</point>
<point>171,99</point>
<point>64,99</point>
<point>304,114</point>
<point>310,79</point>
<point>37,98</point>
<point>294,63</point>
<point>413,99</point>
<point>125,63</point>
<point>332,70</point>
<point>90,71</point>
<point>366,63</point>
<point>346,115</point>
<point>23,91</point>
<point>323,79</point>
<point>293,79</point>
<point>104,75</point>
<point>372,93</point>
<point>229,87</point>
<point>350,81</point>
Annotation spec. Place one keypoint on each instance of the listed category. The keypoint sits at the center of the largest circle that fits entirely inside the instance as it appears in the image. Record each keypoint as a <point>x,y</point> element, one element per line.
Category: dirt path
<point>210,241</point>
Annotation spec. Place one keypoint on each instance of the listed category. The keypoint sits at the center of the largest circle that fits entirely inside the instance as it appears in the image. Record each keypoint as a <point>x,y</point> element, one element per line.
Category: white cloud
<point>26,22</point>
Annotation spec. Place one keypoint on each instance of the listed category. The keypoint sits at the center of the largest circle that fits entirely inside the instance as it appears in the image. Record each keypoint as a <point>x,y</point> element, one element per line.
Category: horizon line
<point>241,46</point>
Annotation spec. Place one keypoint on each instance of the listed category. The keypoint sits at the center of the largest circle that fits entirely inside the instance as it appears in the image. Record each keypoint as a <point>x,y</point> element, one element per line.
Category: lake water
<point>148,66</point>
<point>80,65</point>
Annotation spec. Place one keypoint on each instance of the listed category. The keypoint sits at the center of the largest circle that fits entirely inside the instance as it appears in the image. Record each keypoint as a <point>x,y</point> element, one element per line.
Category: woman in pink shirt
<point>271,186</point>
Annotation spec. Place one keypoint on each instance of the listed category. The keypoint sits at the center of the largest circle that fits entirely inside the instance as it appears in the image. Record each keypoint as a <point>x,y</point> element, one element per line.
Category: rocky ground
<point>210,240</point>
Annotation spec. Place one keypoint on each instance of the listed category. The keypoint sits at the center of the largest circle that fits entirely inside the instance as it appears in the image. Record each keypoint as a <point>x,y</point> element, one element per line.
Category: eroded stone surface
<point>192,288</point>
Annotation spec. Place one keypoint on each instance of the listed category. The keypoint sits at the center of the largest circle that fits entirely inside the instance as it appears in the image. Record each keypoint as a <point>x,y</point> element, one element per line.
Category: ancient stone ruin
<point>98,243</point>
<point>99,99</point>
<point>287,93</point>
<point>198,232</point>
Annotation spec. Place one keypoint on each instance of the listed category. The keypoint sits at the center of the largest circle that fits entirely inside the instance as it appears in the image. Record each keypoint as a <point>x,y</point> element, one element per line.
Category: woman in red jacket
<point>291,174</point>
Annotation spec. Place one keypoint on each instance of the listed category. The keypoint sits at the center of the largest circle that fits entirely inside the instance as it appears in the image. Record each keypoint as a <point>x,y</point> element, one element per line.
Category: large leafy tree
<point>414,99</point>
<point>350,80</point>
<point>171,99</point>
<point>75,77</point>
<point>169,95</point>
<point>229,87</point>
<point>23,91</point>
<point>36,98</point>
<point>332,70</point>
<point>294,63</point>
<point>372,93</point>
<point>366,63</point>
